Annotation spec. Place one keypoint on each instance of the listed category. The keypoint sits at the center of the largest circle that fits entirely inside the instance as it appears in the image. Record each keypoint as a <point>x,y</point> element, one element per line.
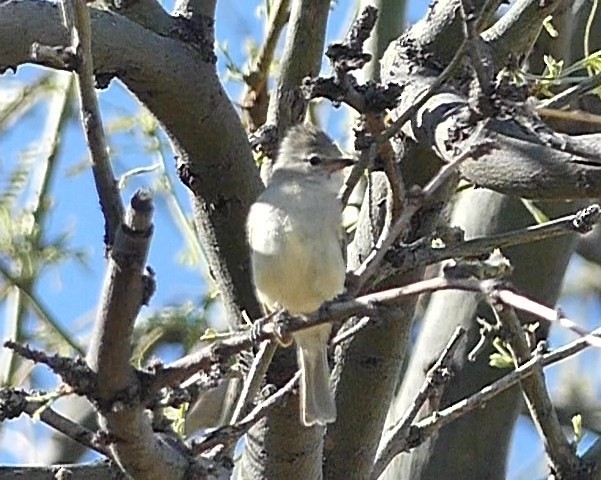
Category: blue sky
<point>71,291</point>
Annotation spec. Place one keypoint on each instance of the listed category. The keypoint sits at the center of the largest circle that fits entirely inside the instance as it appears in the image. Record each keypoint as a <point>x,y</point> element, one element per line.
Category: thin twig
<point>573,116</point>
<point>477,52</point>
<point>562,457</point>
<point>426,427</point>
<point>375,124</point>
<point>255,97</point>
<point>74,371</point>
<point>352,331</point>
<point>337,311</point>
<point>76,17</point>
<point>13,402</point>
<point>228,434</point>
<point>433,385</point>
<point>569,94</point>
<point>366,158</point>
<point>409,257</point>
<point>255,377</point>
<point>388,236</point>
<point>284,325</point>
<point>41,310</point>
<point>524,304</point>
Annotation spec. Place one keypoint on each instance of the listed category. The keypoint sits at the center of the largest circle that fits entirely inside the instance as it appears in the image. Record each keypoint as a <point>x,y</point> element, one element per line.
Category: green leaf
<point>578,429</point>
<point>538,215</point>
<point>502,358</point>
<point>548,26</point>
<point>554,68</point>
<point>177,417</point>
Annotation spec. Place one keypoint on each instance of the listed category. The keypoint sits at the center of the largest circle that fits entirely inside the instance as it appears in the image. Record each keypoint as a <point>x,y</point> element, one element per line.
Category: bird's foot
<point>278,329</point>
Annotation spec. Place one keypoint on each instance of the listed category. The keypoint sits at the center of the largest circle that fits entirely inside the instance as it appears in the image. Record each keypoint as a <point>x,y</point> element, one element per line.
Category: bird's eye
<point>314,160</point>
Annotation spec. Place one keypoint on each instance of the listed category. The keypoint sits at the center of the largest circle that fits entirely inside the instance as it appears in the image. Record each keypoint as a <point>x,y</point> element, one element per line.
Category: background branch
<point>76,17</point>
<point>431,391</point>
<point>425,427</point>
<point>562,457</point>
<point>301,58</point>
<point>255,98</point>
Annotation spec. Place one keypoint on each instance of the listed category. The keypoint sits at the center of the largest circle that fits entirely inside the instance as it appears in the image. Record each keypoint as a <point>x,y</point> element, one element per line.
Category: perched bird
<point>295,235</point>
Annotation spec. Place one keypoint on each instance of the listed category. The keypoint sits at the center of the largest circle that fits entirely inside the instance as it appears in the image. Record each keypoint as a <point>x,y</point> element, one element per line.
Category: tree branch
<point>408,257</point>
<point>301,58</point>
<point>372,263</point>
<point>514,34</point>
<point>94,471</point>
<point>126,288</point>
<point>562,457</point>
<point>431,391</point>
<point>76,18</point>
<point>230,434</point>
<point>530,160</point>
<point>255,99</point>
<point>426,427</point>
<point>14,402</point>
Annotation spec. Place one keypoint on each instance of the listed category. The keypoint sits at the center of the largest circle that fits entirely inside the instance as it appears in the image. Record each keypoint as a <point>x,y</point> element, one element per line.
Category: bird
<point>294,232</point>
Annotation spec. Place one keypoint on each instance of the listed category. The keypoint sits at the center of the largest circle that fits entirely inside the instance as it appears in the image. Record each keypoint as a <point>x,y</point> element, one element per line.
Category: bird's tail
<point>317,404</point>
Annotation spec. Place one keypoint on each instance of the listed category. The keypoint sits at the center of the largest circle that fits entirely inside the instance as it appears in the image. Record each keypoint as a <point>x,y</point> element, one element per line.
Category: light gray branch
<point>440,30</point>
<point>390,24</point>
<point>301,58</point>
<point>427,426</point>
<point>95,471</point>
<point>529,160</point>
<point>408,257</point>
<point>514,34</point>
<point>255,98</point>
<point>430,393</point>
<point>562,456</point>
<point>136,448</point>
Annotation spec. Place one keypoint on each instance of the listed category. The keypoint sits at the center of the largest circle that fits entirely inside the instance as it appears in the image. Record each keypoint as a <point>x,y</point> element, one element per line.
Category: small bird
<point>295,235</point>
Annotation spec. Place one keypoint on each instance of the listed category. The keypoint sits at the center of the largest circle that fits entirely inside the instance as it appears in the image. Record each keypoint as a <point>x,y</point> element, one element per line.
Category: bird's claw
<point>279,330</point>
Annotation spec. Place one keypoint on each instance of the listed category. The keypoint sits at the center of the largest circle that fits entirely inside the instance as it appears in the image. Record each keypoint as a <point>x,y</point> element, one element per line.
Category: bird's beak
<point>335,164</point>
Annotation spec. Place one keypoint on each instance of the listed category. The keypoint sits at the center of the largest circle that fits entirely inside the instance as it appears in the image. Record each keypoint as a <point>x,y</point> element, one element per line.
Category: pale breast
<point>296,253</point>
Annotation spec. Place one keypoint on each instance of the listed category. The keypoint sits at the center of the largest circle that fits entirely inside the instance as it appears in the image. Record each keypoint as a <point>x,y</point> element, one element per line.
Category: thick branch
<point>441,29</point>
<point>213,153</point>
<point>301,58</point>
<point>530,160</point>
<point>514,34</point>
<point>125,290</point>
